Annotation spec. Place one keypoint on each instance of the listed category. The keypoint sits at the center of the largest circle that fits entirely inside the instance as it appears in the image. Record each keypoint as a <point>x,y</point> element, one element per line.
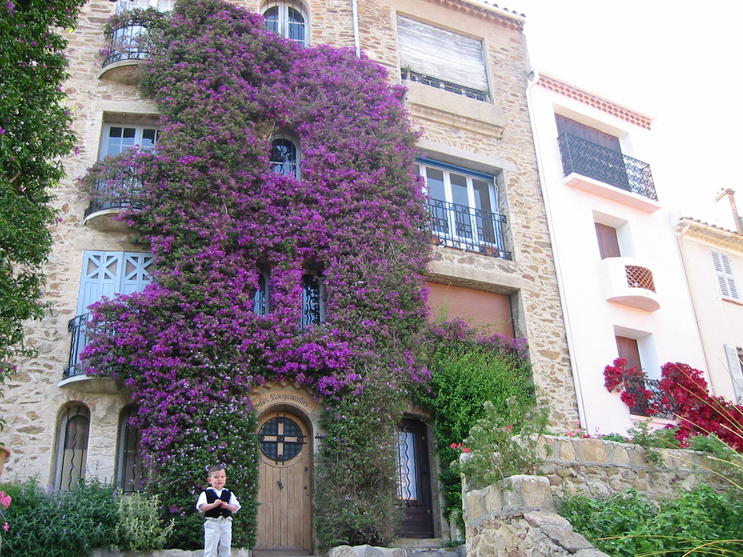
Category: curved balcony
<point>128,47</point>
<point>107,200</point>
<point>626,281</point>
<point>608,173</point>
<point>73,376</point>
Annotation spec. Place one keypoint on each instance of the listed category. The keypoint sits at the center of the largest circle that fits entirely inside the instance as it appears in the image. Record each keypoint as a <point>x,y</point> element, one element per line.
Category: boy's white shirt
<point>202,498</point>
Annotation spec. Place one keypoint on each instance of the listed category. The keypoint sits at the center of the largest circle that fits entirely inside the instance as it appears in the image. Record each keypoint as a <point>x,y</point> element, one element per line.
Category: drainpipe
<point>736,217</point>
<point>356,40</point>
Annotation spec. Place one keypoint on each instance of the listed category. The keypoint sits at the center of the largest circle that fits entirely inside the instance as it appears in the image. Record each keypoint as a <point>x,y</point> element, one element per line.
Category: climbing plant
<point>216,217</point>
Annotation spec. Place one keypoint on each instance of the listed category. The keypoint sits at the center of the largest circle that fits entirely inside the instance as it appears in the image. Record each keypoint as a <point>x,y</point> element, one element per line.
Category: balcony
<point>129,45</point>
<point>607,173</point>
<point>448,86</point>
<point>73,376</point>
<point>107,199</point>
<point>643,406</point>
<point>625,281</point>
<point>469,229</point>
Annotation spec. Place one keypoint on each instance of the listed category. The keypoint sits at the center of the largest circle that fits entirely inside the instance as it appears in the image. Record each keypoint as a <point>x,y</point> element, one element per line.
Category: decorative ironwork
<point>639,277</point>
<point>112,194</point>
<point>407,485</point>
<point>445,85</point>
<point>281,439</point>
<point>606,165</point>
<point>78,327</point>
<point>313,303</point>
<point>643,405</point>
<point>130,42</point>
<point>72,447</point>
<point>466,228</point>
<point>132,474</point>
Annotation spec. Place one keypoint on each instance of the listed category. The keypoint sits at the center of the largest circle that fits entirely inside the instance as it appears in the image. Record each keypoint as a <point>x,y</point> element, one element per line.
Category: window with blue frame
<point>284,158</point>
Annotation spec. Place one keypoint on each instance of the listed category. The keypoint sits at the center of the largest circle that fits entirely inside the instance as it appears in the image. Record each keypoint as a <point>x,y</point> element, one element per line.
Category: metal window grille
<point>72,447</point>
<point>639,277</point>
<point>449,86</point>
<point>313,303</point>
<point>131,473</point>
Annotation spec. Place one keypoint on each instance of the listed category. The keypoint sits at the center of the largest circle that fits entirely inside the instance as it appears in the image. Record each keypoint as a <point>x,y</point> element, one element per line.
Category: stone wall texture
<point>495,135</point>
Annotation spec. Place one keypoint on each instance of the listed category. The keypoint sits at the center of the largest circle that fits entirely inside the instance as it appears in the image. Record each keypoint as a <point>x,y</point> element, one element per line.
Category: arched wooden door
<point>285,484</point>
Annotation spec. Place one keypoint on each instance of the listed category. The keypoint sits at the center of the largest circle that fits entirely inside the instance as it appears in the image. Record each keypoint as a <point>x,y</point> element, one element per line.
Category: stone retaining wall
<point>596,467</point>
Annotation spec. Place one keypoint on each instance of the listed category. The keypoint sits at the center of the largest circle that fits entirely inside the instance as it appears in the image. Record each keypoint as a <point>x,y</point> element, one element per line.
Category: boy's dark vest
<point>216,512</point>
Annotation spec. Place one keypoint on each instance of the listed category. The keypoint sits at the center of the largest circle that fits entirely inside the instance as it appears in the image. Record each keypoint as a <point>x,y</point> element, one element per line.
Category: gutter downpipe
<point>356,38</point>
<point>553,240</point>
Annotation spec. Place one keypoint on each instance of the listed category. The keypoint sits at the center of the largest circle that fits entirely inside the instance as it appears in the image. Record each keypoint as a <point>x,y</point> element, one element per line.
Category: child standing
<point>217,503</point>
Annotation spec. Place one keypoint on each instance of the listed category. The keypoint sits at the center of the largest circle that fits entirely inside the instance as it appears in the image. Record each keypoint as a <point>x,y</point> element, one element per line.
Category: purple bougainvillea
<point>216,218</point>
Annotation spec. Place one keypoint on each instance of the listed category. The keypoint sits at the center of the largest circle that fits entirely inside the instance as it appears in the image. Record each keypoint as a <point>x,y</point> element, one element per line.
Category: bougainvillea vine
<point>216,218</point>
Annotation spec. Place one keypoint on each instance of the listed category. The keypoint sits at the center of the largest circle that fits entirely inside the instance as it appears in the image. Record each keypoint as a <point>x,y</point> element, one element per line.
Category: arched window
<point>261,296</point>
<point>287,19</point>
<point>130,471</point>
<point>313,300</point>
<point>284,157</point>
<point>72,446</point>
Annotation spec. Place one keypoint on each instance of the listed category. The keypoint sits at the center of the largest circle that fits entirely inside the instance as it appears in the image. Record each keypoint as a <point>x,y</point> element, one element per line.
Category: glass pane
<point>482,196</point>
<point>435,183</point>
<point>283,158</point>
<point>296,25</point>
<point>459,189</point>
<point>149,139</point>
<point>272,19</point>
<point>407,486</point>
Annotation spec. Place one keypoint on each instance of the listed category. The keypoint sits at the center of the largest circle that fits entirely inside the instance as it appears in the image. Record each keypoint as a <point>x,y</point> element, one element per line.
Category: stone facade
<point>488,137</point>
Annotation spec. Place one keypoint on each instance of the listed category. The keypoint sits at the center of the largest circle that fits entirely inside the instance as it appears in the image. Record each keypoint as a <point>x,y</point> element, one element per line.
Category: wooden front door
<point>284,489</point>
<point>414,480</point>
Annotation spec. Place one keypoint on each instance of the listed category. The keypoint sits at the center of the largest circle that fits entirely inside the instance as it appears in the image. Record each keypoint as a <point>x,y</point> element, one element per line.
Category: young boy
<point>217,503</point>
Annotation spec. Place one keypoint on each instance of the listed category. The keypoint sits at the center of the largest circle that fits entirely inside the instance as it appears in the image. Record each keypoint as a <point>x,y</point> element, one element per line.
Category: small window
<point>72,446</point>
<point>284,158</point>
<point>160,5</point>
<point>287,19</point>
<point>724,272</point>
<point>130,470</point>
<point>261,296</point>
<point>313,300</point>
<point>442,59</point>
<point>117,138</point>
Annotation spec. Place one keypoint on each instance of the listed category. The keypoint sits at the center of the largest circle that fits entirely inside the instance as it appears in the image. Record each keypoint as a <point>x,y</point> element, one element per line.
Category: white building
<point>621,276</point>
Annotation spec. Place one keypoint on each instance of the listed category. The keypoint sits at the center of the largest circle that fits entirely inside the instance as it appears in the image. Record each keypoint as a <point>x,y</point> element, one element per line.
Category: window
<point>724,272</point>
<point>104,274</point>
<point>72,446</point>
<point>117,138</point>
<point>261,296</point>
<point>462,205</point>
<point>607,239</point>
<point>313,300</point>
<point>442,59</point>
<point>288,20</point>
<point>161,5</point>
<point>734,356</point>
<point>284,158</point>
<point>130,470</point>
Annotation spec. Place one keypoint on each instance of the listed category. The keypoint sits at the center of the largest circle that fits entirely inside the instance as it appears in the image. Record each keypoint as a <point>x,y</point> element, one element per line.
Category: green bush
<point>139,527</point>
<point>700,522</point>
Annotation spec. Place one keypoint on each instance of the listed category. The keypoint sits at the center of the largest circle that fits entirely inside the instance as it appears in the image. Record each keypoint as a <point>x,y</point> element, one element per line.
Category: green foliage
<point>66,524</point>
<point>465,374</point>
<point>495,452</point>
<point>139,527</point>
<point>34,133</point>
<point>701,522</point>
<point>651,439</point>
<point>356,500</point>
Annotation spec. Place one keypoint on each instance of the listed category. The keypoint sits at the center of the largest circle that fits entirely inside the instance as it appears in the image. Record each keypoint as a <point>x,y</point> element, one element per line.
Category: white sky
<point>678,61</point>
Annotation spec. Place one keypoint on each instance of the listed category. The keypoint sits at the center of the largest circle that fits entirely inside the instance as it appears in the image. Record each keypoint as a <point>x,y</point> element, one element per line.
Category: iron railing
<point>130,42</point>
<point>606,165</point>
<point>466,228</point>
<point>108,194</point>
<point>639,277</point>
<point>445,85</point>
<point>78,327</point>
<point>643,406</point>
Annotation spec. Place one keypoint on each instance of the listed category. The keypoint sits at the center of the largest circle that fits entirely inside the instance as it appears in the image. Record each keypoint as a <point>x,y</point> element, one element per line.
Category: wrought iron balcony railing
<point>78,327</point>
<point>606,165</point>
<point>643,406</point>
<point>109,194</point>
<point>445,85</point>
<point>466,228</point>
<point>128,43</point>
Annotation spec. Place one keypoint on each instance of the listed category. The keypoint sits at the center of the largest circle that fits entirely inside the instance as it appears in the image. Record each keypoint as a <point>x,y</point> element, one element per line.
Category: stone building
<point>465,66</point>
<point>620,273</point>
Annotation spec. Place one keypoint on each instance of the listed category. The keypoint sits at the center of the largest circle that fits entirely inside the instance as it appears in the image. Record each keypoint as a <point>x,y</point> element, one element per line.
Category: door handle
<point>280,484</point>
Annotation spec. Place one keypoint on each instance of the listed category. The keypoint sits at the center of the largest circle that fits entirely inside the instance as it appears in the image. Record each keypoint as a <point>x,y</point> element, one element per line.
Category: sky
<point>677,61</point>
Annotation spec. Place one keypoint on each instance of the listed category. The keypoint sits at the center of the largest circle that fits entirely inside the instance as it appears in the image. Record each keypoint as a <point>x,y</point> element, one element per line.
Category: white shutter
<point>733,355</point>
<point>724,271</point>
<point>448,56</point>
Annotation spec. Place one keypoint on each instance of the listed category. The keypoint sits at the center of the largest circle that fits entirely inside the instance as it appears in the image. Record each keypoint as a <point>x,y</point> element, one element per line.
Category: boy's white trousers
<point>217,537</point>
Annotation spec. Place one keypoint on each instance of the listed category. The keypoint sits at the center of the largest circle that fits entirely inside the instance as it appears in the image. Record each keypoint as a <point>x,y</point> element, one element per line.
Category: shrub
<point>139,526</point>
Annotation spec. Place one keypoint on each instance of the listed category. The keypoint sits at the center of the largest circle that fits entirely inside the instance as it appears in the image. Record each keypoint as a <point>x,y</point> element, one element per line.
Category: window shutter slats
<point>724,272</point>
<point>733,355</point>
<point>441,54</point>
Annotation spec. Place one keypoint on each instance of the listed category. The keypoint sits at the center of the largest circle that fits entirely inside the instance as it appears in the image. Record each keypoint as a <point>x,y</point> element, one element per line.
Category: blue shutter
<point>135,275</point>
<point>100,277</point>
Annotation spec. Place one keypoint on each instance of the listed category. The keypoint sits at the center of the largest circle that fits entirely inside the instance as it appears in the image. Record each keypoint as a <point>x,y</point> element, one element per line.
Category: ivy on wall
<point>215,216</point>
